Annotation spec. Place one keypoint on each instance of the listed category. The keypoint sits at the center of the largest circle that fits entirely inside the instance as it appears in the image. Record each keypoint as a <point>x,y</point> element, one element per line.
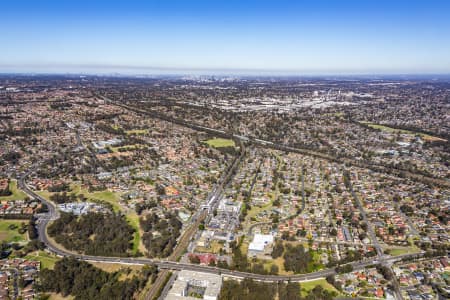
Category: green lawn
<point>395,130</point>
<point>16,193</point>
<point>45,194</point>
<point>136,131</point>
<point>107,196</point>
<point>133,220</point>
<point>254,211</point>
<point>128,148</point>
<point>47,260</point>
<point>219,143</point>
<point>404,250</point>
<point>12,235</point>
<point>111,198</point>
<point>309,285</point>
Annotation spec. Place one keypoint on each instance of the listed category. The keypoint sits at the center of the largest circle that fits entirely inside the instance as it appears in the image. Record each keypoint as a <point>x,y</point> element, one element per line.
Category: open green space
<point>47,260</point>
<point>255,210</point>
<point>113,199</point>
<point>399,251</point>
<point>133,220</point>
<point>385,128</point>
<point>106,195</point>
<point>12,235</point>
<point>16,193</point>
<point>127,148</point>
<point>279,262</point>
<point>220,143</point>
<point>309,285</point>
<point>403,250</point>
<point>136,131</point>
<point>54,296</point>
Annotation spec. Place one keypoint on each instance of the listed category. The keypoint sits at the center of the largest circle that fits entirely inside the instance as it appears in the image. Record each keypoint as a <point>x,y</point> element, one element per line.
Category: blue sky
<point>302,37</point>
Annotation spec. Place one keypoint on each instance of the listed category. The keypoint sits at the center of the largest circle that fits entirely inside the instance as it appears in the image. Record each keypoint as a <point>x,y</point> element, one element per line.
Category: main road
<point>350,161</point>
<point>373,237</point>
<point>52,214</point>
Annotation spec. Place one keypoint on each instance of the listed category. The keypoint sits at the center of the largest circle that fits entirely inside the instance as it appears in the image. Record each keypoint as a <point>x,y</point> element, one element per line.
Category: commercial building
<point>191,285</point>
<point>261,245</point>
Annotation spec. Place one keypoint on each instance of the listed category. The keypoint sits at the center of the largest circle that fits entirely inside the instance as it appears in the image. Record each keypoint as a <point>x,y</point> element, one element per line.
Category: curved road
<point>53,214</point>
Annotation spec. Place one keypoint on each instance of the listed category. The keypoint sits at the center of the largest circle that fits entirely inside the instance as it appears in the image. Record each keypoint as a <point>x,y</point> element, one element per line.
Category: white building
<point>261,245</point>
<point>191,285</point>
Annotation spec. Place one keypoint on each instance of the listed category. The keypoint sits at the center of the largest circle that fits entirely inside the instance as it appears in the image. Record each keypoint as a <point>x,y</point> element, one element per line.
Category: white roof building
<point>191,285</point>
<point>259,244</point>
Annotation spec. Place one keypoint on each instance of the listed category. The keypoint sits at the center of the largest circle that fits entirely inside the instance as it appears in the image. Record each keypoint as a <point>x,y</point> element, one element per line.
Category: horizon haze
<point>252,37</point>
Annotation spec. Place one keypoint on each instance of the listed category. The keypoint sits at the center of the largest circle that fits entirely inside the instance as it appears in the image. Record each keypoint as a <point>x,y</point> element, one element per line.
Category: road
<point>350,161</point>
<point>200,216</point>
<point>250,229</point>
<point>53,214</point>
<point>174,265</point>
<point>370,230</point>
<point>182,244</point>
<point>45,218</point>
<point>380,253</point>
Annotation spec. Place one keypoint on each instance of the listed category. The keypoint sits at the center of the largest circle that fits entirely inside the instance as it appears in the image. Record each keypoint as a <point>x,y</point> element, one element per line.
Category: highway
<point>52,214</point>
<point>171,263</point>
<point>350,161</point>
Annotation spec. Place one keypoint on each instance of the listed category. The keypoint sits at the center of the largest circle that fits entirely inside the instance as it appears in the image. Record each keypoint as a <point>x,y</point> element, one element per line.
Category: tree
<point>84,281</point>
<point>278,249</point>
<point>194,259</point>
<point>296,259</point>
<point>344,269</point>
<point>93,233</point>
<point>32,231</point>
<point>274,269</point>
<point>169,229</point>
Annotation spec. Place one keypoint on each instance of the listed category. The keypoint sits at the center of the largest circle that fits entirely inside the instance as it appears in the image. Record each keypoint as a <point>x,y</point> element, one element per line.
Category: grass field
<point>403,250</point>
<point>384,128</point>
<point>113,199</point>
<point>16,193</point>
<point>12,235</point>
<point>309,285</point>
<point>214,248</point>
<point>113,267</point>
<point>128,148</point>
<point>47,260</point>
<point>279,262</point>
<point>107,196</point>
<point>253,212</point>
<point>54,296</point>
<point>219,143</point>
<point>133,220</point>
<point>136,131</point>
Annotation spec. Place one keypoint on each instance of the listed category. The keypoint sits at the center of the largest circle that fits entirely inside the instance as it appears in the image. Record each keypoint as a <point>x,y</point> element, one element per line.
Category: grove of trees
<point>161,234</point>
<point>84,281</point>
<point>93,233</point>
<point>296,259</point>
